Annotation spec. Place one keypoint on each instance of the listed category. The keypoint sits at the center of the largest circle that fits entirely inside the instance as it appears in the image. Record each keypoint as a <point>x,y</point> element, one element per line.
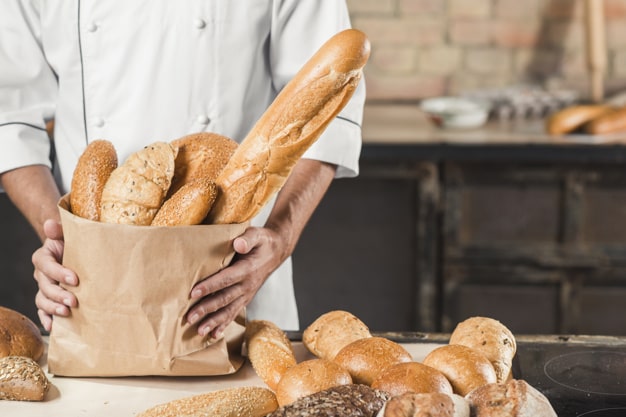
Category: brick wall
<point>423,48</point>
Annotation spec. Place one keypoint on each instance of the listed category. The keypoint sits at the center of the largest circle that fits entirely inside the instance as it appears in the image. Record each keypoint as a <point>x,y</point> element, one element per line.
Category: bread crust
<point>270,351</point>
<point>490,338</point>
<point>92,171</point>
<point>309,377</point>
<point>189,205</point>
<point>19,336</point>
<point>200,155</point>
<point>367,358</point>
<point>609,122</point>
<point>136,189</point>
<point>465,368</point>
<point>516,398</point>
<point>22,379</point>
<point>412,377</point>
<point>419,405</point>
<point>572,118</point>
<point>295,119</point>
<point>241,401</point>
<point>332,331</point>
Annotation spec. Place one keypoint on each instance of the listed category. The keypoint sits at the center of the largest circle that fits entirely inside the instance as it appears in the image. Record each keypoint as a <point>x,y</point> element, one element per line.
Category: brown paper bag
<point>132,297</point>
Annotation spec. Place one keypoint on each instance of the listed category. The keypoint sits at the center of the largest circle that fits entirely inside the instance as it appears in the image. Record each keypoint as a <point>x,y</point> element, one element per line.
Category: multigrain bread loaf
<point>352,400</point>
<point>332,331</point>
<point>515,398</point>
<point>465,368</point>
<point>433,404</point>
<point>270,351</point>
<point>412,377</point>
<point>189,205</point>
<point>309,377</point>
<point>19,336</point>
<point>290,125</point>
<point>136,189</point>
<point>22,379</point>
<point>490,338</point>
<point>92,171</point>
<point>200,156</point>
<point>367,358</point>
<point>232,402</point>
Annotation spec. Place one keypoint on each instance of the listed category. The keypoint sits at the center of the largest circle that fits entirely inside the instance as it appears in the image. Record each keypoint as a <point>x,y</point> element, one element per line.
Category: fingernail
<point>219,335</point>
<point>194,318</point>
<point>70,280</point>
<point>204,331</point>
<point>67,302</point>
<point>196,294</point>
<point>60,310</point>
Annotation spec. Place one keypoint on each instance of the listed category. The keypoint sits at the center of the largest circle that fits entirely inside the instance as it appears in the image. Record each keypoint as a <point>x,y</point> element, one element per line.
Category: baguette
<point>571,118</point>
<point>490,338</point>
<point>231,402</point>
<point>610,122</point>
<point>92,171</point>
<point>269,350</point>
<point>136,189</point>
<point>291,124</point>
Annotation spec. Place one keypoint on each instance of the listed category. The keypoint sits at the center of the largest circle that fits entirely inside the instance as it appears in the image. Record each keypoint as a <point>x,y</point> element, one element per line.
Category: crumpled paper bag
<point>132,299</point>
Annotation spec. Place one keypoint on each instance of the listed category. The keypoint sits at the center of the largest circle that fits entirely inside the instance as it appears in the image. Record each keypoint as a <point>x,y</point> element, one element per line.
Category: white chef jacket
<point>138,71</point>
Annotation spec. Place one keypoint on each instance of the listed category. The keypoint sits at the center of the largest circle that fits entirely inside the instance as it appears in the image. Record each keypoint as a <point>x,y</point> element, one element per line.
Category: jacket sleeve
<point>299,28</point>
<point>28,87</point>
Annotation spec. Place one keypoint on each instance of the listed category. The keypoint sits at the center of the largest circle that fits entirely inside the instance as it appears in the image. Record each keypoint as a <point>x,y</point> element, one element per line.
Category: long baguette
<point>291,124</point>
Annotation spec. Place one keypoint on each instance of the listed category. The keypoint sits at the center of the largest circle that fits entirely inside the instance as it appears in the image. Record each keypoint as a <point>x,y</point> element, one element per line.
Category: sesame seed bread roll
<point>136,189</point>
<point>231,402</point>
<point>331,332</point>
<point>92,171</point>
<point>290,125</point>
<point>412,377</point>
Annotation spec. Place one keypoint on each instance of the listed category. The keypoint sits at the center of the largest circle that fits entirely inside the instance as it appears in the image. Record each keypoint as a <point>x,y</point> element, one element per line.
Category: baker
<point>134,73</point>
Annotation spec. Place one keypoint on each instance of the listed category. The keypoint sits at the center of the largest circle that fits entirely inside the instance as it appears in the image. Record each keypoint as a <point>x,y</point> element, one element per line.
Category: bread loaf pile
<point>21,346</point>
<point>207,178</point>
<point>592,119</point>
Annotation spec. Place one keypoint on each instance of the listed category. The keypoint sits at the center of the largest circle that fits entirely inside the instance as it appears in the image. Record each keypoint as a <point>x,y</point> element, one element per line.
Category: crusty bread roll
<point>331,332</point>
<point>189,205</point>
<point>412,377</point>
<point>22,379</point>
<point>231,402</point>
<point>489,337</point>
<point>367,358</point>
<point>465,368</point>
<point>572,118</point>
<point>200,156</point>
<point>309,377</point>
<point>19,336</point>
<point>92,171</point>
<point>136,189</point>
<point>270,351</point>
<point>610,122</point>
<point>515,398</point>
<point>345,400</point>
<point>297,117</point>
<point>434,404</point>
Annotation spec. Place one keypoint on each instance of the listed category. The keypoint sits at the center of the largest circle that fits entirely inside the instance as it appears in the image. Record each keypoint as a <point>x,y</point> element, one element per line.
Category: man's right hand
<point>51,298</point>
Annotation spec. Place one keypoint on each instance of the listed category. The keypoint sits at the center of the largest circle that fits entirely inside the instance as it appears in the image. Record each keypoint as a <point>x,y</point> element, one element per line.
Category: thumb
<point>53,229</point>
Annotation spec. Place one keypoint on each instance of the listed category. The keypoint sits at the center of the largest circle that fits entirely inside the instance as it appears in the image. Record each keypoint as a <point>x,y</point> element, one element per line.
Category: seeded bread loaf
<point>22,379</point>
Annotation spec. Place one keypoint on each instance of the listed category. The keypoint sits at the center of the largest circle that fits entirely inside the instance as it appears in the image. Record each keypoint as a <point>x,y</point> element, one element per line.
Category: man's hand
<point>51,299</point>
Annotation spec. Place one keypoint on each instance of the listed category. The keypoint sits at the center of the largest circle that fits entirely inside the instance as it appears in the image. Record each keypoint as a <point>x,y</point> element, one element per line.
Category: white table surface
<point>125,397</point>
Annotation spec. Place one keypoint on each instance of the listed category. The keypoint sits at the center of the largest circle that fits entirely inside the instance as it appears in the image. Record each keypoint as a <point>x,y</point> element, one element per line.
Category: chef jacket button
<point>199,23</point>
<point>203,119</point>
<point>98,122</point>
<point>92,27</point>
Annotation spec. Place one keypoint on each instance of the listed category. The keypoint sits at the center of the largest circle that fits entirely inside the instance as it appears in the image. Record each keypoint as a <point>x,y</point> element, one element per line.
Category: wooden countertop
<point>405,124</point>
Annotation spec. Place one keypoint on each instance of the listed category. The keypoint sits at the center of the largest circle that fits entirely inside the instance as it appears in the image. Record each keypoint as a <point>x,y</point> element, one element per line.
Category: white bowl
<point>456,112</point>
